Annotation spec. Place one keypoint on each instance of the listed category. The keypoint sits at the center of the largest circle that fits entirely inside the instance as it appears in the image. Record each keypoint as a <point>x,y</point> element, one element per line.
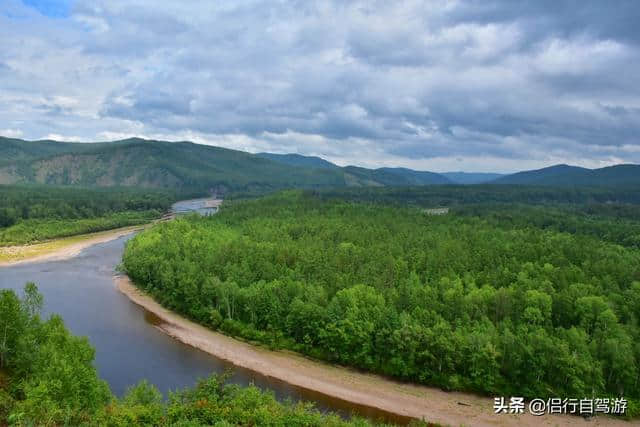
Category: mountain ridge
<point>187,165</point>
<point>460,177</point>
<point>567,175</point>
<point>383,175</point>
<point>182,164</point>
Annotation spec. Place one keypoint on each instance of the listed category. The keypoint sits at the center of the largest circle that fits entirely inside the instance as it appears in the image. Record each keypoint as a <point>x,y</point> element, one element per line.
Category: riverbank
<point>59,249</point>
<point>407,400</point>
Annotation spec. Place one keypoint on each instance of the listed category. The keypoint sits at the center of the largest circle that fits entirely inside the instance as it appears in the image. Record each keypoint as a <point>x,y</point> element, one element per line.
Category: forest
<point>491,300</point>
<point>453,195</point>
<point>34,213</point>
<point>47,377</point>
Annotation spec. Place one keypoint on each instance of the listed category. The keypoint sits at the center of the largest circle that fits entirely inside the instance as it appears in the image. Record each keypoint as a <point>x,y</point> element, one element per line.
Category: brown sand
<point>60,249</point>
<point>430,404</point>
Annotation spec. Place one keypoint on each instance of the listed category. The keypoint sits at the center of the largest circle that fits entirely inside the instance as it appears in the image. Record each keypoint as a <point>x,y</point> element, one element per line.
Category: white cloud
<point>430,84</point>
<point>11,133</point>
<point>67,138</point>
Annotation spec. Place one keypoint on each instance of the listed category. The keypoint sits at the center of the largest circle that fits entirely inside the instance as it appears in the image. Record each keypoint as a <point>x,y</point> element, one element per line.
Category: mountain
<point>412,177</point>
<point>300,160</point>
<point>16,150</point>
<point>145,163</point>
<point>363,176</point>
<point>194,167</point>
<point>471,177</point>
<point>565,175</point>
<point>357,176</point>
<point>181,165</point>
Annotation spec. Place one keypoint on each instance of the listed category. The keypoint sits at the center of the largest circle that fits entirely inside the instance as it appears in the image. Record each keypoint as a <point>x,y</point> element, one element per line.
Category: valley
<point>264,213</point>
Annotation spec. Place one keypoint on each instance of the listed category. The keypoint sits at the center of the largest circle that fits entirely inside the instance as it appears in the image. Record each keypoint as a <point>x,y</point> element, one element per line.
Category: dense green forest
<point>454,195</point>
<point>47,377</point>
<point>616,223</point>
<point>38,230</point>
<point>609,214</point>
<point>34,213</point>
<point>465,301</point>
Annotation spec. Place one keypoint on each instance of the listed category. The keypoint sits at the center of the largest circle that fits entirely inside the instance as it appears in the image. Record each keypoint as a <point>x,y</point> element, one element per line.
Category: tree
<point>12,327</point>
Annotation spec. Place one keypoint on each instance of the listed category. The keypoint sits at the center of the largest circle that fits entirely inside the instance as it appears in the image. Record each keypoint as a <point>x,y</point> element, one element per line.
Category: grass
<point>41,230</point>
<point>9,254</point>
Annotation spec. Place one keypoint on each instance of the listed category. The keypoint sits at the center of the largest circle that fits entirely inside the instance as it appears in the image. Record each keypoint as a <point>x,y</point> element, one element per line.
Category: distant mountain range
<point>558,175</point>
<point>565,175</point>
<point>471,177</point>
<point>189,166</point>
<point>145,163</point>
<point>381,176</point>
<point>388,176</point>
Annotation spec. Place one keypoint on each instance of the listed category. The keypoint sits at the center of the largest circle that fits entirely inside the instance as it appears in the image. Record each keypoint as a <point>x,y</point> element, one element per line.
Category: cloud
<point>431,84</point>
<point>11,133</point>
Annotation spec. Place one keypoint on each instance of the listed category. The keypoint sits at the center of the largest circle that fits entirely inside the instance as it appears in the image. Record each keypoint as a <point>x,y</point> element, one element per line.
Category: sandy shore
<point>430,404</point>
<point>59,249</point>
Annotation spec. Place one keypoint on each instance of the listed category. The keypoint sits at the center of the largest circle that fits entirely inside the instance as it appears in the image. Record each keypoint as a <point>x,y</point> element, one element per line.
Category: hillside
<point>182,165</point>
<point>393,176</point>
<point>363,176</point>
<point>195,167</point>
<point>143,163</point>
<point>16,150</point>
<point>471,177</point>
<point>299,160</point>
<point>565,175</point>
<point>413,177</point>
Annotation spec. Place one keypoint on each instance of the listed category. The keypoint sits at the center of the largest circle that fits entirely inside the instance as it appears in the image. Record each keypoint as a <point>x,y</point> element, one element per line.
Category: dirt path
<point>58,249</point>
<point>430,404</point>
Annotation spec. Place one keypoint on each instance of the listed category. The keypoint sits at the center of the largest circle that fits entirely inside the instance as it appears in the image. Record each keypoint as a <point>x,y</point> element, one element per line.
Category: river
<point>129,346</point>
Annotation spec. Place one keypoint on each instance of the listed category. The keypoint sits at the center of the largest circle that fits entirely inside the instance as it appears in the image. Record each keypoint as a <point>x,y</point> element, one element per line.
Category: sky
<point>485,86</point>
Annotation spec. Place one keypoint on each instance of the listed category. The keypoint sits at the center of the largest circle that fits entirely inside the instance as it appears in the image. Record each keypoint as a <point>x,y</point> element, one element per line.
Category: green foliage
<point>455,195</point>
<point>184,166</point>
<point>458,301</point>
<point>23,202</point>
<point>36,230</point>
<point>213,402</point>
<point>51,378</point>
<point>47,378</point>
<point>61,385</point>
<point>564,175</point>
<point>154,164</point>
<point>34,213</point>
<point>616,223</point>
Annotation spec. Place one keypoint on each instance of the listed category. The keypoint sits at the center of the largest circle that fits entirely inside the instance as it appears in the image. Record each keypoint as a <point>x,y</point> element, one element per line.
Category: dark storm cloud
<point>422,83</point>
<point>602,19</point>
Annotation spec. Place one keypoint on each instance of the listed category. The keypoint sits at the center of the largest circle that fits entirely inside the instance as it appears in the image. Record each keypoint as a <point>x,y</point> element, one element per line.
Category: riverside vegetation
<point>34,213</point>
<point>47,378</point>
<point>491,301</point>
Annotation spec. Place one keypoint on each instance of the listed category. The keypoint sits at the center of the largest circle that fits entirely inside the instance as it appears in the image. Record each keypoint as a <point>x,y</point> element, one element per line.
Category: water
<point>128,346</point>
<point>202,206</point>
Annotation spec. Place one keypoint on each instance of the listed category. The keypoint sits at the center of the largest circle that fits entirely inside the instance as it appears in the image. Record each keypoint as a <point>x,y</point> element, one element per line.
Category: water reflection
<point>128,346</point>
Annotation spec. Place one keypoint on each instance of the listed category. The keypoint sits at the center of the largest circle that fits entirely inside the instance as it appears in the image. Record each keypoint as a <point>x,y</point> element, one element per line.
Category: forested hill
<point>355,174</point>
<point>565,175</point>
<point>179,165</point>
<point>144,163</point>
<point>300,160</point>
<point>472,177</point>
<point>395,176</point>
<point>194,167</point>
